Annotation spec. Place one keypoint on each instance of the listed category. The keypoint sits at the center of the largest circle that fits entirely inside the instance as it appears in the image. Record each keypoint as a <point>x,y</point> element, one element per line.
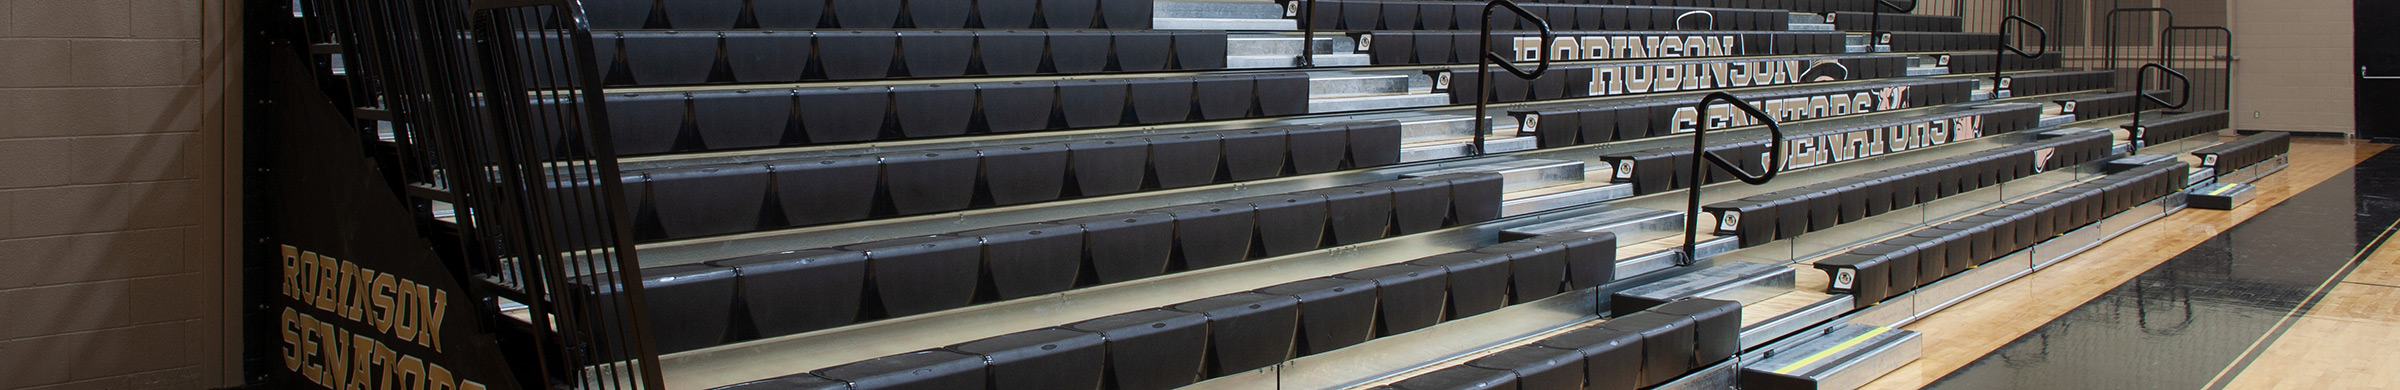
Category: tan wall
<point>2295,70</point>
<point>112,217</point>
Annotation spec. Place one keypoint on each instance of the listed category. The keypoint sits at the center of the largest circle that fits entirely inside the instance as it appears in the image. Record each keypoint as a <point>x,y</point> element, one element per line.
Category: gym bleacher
<point>1152,194</point>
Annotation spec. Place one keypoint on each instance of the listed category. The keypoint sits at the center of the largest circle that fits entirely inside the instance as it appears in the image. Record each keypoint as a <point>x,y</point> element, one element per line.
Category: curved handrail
<point>1483,66</point>
<point>2141,82</point>
<point>1999,67</point>
<point>2110,57</point>
<point>1875,22</point>
<point>2043,43</point>
<point>2141,87</point>
<point>1691,225</point>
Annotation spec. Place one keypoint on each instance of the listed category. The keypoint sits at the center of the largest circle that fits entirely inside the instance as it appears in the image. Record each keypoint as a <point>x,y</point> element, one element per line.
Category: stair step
<point>1807,18</point>
<point>1338,85</point>
<point>1665,253</point>
<point>1227,24</point>
<point>1363,103</point>
<point>1630,224</point>
<point>1287,44</point>
<point>1732,281</point>
<point>1288,61</point>
<point>1567,196</point>
<point>1204,9</point>
<point>1463,147</point>
<point>1810,27</point>
<point>1927,71</point>
<point>1522,174</point>
<point>1845,357</point>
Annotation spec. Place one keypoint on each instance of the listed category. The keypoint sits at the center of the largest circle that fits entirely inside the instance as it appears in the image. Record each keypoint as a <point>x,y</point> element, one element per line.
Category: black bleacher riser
<point>1630,351</point>
<point>1370,15</point>
<point>1622,120</point>
<point>867,14</point>
<point>1897,266</point>
<point>671,121</point>
<point>2237,154</point>
<point>1918,41</point>
<point>2175,126</point>
<point>1665,169</point>
<point>1233,333</point>
<point>800,291</point>
<point>697,201</point>
<point>1761,219</point>
<point>1616,79</point>
<point>1443,47</point>
<point>2045,83</point>
<point>1859,21</point>
<point>2102,106</point>
<point>657,58</point>
<point>1982,62</point>
<point>1808,6</point>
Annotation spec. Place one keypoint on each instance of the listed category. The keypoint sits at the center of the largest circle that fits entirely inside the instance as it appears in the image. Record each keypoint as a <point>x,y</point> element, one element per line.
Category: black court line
<point>2183,322</point>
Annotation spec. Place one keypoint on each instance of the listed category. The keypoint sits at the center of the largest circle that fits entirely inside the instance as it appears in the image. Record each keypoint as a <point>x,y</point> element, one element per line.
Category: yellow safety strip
<point>1829,352</point>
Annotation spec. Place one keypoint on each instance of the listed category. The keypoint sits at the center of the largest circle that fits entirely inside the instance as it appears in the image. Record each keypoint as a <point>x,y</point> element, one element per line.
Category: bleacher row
<point>2046,83</point>
<point>1597,80</point>
<point>1789,213</point>
<point>867,14</point>
<point>1896,266</point>
<point>2227,157</point>
<point>1669,168</point>
<point>1862,21</point>
<point>1630,119</point>
<point>703,200</point>
<point>1373,15</point>
<point>2096,106</point>
<point>1920,41</point>
<point>1634,350</point>
<point>662,122</point>
<point>1982,62</point>
<point>802,290</point>
<point>1446,48</point>
<point>2169,126</point>
<point>1807,6</point>
<point>1183,343</point>
<point>656,58</point>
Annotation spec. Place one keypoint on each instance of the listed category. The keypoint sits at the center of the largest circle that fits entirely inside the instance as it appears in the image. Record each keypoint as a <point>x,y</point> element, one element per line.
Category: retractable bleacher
<point>1150,194</point>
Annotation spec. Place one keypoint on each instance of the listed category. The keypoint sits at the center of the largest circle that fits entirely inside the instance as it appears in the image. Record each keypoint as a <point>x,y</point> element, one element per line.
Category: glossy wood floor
<point>2344,340</point>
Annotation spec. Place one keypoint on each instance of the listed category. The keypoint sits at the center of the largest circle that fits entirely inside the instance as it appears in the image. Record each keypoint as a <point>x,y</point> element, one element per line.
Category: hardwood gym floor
<point>2201,299</point>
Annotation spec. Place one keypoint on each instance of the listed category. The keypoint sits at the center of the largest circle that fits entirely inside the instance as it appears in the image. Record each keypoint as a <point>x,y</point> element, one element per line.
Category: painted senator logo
<point>1826,105</point>
<point>1612,80</point>
<point>1810,151</point>
<point>1630,47</point>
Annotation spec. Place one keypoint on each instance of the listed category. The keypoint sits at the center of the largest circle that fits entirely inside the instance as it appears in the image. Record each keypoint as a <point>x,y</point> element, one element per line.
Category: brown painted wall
<point>112,154</point>
<point>2295,70</point>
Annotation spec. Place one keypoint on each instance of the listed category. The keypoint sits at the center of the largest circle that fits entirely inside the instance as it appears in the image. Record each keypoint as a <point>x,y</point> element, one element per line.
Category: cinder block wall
<point>113,246</point>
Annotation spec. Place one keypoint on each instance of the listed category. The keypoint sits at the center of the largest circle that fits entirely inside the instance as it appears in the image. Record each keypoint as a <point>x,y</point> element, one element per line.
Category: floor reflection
<point>2181,323</point>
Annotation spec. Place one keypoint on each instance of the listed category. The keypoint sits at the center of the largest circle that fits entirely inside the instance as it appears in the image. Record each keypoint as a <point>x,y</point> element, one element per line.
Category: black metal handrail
<point>1308,33</point>
<point>1483,66</point>
<point>1691,224</point>
<point>2225,84</point>
<point>2111,46</point>
<point>2141,87</point>
<point>1999,70</point>
<point>1875,22</point>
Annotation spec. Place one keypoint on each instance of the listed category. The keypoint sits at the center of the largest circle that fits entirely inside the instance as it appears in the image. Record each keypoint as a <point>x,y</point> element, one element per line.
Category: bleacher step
<point>1338,85</point>
<point>1522,174</point>
<point>1206,9</point>
<point>1287,61</point>
<point>1732,281</point>
<point>1286,44</point>
<point>1562,197</point>
<point>1807,18</point>
<point>1845,357</point>
<point>1810,27</point>
<point>1463,147</point>
<point>1630,224</point>
<point>1225,24</point>
<point>1383,102</point>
